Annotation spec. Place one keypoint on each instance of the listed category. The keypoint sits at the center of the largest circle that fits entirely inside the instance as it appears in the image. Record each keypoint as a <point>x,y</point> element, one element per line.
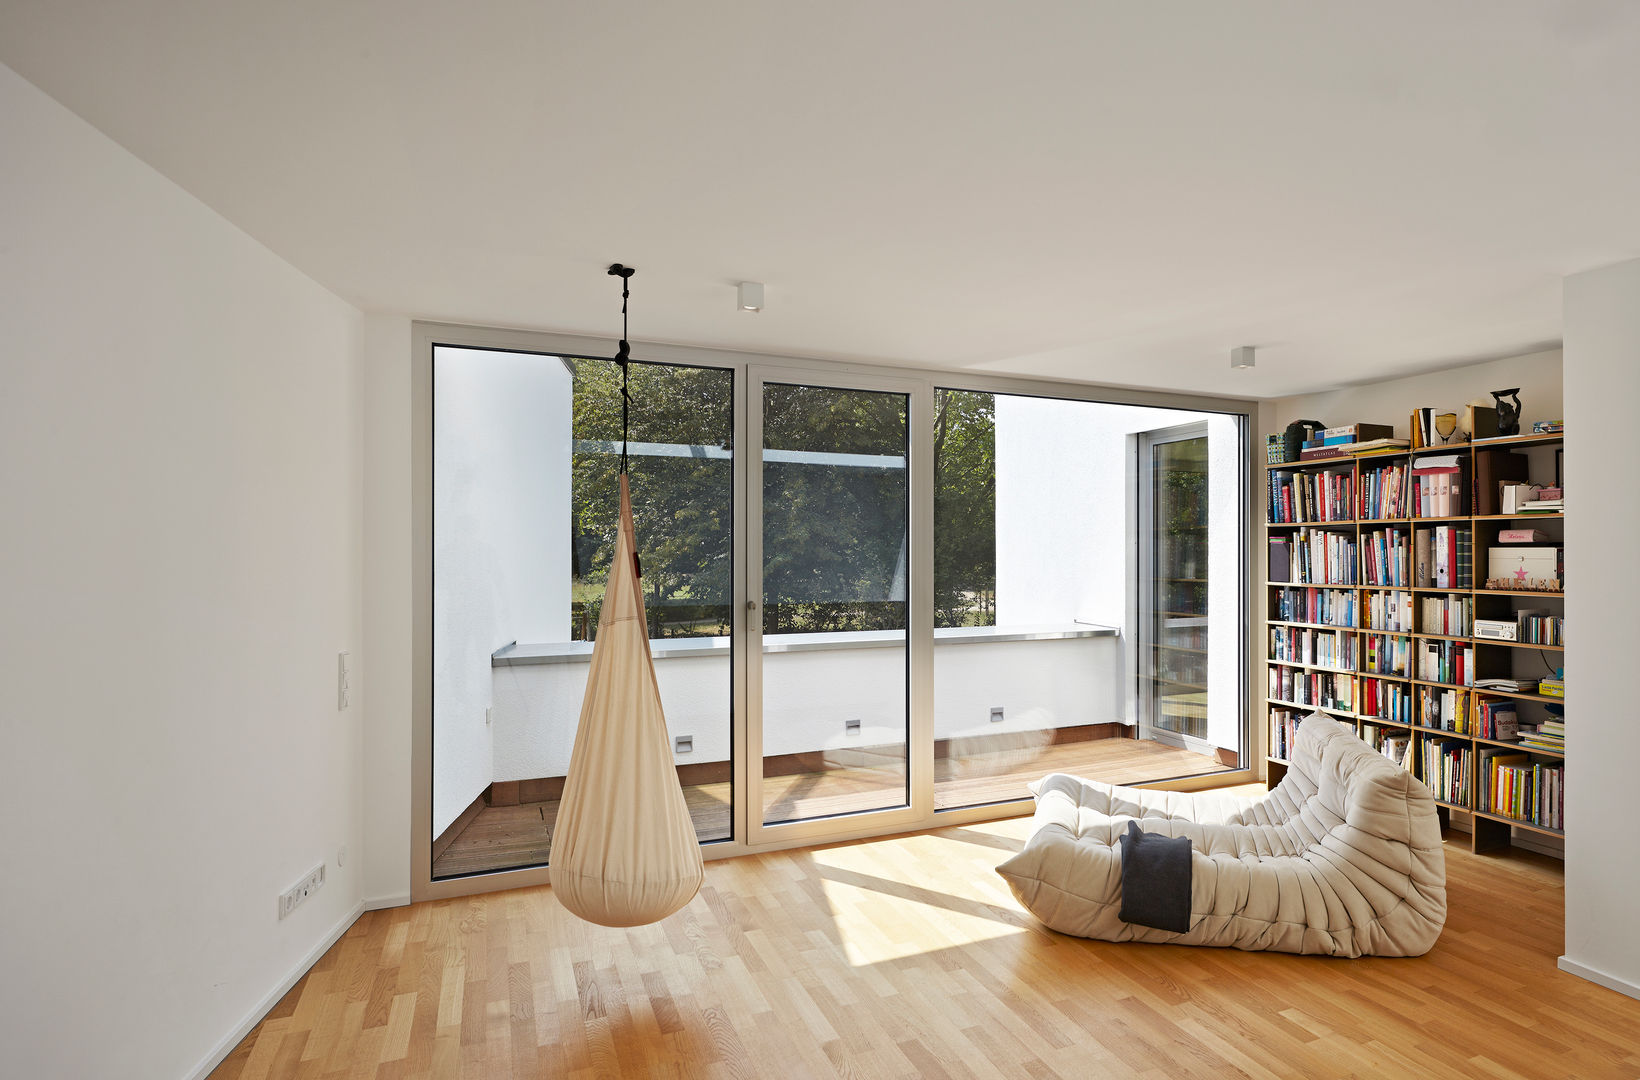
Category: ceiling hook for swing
<point>624,352</point>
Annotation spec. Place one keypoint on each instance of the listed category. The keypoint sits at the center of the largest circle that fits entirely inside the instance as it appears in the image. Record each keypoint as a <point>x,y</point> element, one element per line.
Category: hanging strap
<point>623,354</point>
<point>623,357</point>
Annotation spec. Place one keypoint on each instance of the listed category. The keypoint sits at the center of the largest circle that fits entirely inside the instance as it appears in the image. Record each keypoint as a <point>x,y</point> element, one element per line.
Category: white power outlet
<point>293,897</point>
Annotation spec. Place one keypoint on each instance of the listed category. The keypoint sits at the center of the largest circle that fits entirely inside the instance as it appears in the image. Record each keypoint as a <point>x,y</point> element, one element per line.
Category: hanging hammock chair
<point>624,850</point>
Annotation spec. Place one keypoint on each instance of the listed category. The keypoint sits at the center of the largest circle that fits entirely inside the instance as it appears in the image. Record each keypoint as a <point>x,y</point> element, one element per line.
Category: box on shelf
<point>1522,566</point>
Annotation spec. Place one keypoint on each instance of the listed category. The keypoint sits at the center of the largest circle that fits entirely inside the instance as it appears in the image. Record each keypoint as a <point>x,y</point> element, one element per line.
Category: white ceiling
<point>1117,192</point>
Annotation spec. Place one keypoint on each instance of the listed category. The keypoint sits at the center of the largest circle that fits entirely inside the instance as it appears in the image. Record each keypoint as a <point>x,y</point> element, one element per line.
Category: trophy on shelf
<point>1508,412</point>
<point>1446,424</point>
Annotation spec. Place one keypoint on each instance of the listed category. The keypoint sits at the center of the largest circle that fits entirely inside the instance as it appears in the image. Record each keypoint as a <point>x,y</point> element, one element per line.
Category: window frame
<point>426,334</point>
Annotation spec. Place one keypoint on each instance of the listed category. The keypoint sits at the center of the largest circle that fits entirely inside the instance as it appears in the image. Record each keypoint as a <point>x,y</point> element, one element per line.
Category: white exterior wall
<point>180,456</point>
<point>811,694</point>
<point>1602,594</point>
<point>1063,528</point>
<point>501,565</point>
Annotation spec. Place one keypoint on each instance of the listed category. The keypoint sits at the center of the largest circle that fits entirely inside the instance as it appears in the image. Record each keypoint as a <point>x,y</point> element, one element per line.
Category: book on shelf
<point>1332,607</point>
<point>1451,616</point>
<point>1445,710</point>
<point>1555,688</point>
<point>1496,719</point>
<point>1511,686</point>
<point>1437,489</point>
<point>1390,611</point>
<point>1379,446</point>
<point>1383,492</point>
<point>1536,626</point>
<point>1281,561</point>
<point>1449,662</point>
<point>1520,536</point>
<point>1350,433</point>
<point>1445,768</point>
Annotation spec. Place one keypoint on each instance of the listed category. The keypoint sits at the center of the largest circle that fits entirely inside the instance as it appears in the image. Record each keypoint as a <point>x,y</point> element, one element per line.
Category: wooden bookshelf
<point>1418,695</point>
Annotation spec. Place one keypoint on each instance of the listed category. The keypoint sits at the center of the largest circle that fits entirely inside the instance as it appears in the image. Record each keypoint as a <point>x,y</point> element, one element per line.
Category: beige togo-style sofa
<point>1342,858</point>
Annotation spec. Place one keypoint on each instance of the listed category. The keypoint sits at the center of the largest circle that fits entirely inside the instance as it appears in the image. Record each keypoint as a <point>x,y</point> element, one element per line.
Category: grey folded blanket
<point>1155,880</point>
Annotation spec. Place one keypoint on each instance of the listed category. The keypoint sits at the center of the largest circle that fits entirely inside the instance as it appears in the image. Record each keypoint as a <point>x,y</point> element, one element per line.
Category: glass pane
<point>1036,571</point>
<point>526,455</point>
<point>1177,642</point>
<point>834,601</point>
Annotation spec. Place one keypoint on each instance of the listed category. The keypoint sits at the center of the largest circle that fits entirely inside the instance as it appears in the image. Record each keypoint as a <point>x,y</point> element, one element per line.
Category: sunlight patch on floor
<point>886,910</point>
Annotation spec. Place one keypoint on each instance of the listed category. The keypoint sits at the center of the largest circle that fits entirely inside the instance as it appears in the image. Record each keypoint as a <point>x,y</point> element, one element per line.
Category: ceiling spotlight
<point>1241,357</point>
<point>749,296</point>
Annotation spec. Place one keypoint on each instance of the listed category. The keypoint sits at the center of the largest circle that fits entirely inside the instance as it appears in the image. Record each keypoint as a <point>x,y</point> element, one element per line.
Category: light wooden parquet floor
<point>908,957</point>
<point>502,837</point>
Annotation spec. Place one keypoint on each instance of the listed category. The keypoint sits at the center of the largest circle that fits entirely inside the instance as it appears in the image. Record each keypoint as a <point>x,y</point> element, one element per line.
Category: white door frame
<point>1146,442</point>
<point>920,604</point>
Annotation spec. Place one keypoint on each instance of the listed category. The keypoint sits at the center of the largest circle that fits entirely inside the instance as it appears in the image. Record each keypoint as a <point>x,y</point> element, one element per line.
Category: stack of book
<point>1384,492</point>
<point>1496,719</point>
<point>1550,500</point>
<point>1446,710</point>
<point>1449,615</point>
<point>1515,786</point>
<point>1325,689</point>
<point>1387,654</point>
<point>1305,496</point>
<point>1342,440</point>
<point>1333,607</point>
<point>1552,687</point>
<point>1446,769</point>
<point>1437,486</point>
<point>1283,730</point>
<point>1537,627</point>
<point>1388,558</point>
<point>1322,648</point>
<point>1389,611</point>
<point>1449,662</point>
<point>1319,557</point>
<point>1386,700</point>
<point>1549,735</point>
<point>1442,557</point>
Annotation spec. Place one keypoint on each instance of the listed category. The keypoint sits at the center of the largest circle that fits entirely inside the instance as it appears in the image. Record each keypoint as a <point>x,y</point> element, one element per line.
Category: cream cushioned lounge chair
<point>1342,858</point>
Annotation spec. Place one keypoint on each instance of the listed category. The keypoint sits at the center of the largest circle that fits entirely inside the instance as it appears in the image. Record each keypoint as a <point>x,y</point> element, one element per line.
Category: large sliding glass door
<point>831,610</point>
<point>873,599</point>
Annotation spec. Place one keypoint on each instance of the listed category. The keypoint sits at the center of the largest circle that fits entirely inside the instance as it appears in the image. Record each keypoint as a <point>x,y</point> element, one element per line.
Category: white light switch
<point>341,681</point>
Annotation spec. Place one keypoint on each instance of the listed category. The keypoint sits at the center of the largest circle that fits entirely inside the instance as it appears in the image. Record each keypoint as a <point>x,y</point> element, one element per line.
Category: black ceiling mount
<point>622,355</point>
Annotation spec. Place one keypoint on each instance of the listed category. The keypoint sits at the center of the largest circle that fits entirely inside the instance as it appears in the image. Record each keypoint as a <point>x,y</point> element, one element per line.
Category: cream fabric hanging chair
<point>624,850</point>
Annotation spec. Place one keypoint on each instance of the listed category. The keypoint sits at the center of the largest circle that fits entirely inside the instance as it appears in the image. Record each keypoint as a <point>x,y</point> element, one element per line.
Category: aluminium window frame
<point>747,840</point>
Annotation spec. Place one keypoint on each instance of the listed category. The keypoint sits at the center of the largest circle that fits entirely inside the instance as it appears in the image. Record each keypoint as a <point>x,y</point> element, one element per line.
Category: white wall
<point>1062,505</point>
<point>1063,529</point>
<point>180,462</point>
<point>388,591</point>
<point>1392,402</point>
<point>502,434</point>
<point>1602,320</point>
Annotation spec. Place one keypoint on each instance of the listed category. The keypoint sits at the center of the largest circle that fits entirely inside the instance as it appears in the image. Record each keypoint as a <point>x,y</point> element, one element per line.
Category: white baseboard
<point>1594,975</point>
<point>379,902</point>
<point>237,1035</point>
